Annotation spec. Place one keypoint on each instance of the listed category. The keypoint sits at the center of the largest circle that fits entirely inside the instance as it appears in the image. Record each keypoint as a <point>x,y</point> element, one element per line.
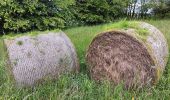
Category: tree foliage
<point>162,8</point>
<point>23,15</point>
<point>99,11</point>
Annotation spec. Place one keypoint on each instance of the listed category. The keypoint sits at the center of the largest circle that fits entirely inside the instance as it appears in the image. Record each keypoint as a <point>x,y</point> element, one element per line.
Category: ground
<point>80,86</point>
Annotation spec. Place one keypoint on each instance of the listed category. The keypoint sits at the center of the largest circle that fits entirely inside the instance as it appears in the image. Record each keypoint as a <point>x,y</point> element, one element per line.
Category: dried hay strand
<point>33,59</point>
<point>125,56</point>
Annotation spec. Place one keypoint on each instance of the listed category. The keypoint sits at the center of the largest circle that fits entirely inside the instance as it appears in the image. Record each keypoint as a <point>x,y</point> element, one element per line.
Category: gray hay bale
<point>36,58</point>
<point>125,56</point>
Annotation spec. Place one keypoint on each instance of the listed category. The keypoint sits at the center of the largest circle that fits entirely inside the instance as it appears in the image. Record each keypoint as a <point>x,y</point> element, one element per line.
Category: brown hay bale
<point>125,56</point>
<point>36,58</point>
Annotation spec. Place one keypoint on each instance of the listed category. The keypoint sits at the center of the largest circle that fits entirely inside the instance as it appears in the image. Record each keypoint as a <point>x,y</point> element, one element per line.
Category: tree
<point>161,8</point>
<point>138,8</point>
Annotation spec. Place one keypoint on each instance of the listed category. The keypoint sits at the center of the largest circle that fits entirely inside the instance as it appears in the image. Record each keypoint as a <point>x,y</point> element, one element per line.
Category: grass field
<point>80,86</point>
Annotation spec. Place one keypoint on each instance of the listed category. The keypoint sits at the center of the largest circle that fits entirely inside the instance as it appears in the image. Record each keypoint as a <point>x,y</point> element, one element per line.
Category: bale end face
<point>119,57</point>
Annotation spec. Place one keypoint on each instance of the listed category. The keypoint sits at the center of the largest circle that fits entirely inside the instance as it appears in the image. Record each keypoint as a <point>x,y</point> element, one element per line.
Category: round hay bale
<point>33,59</point>
<point>135,57</point>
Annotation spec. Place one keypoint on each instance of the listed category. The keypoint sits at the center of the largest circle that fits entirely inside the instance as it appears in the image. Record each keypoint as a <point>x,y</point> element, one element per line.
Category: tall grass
<point>80,86</point>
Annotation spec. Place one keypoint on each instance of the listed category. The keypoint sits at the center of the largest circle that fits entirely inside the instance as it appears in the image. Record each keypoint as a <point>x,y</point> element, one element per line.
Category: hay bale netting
<point>135,56</point>
<point>36,58</point>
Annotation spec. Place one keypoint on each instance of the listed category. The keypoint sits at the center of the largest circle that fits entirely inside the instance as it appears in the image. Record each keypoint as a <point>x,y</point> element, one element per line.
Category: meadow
<point>80,86</point>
